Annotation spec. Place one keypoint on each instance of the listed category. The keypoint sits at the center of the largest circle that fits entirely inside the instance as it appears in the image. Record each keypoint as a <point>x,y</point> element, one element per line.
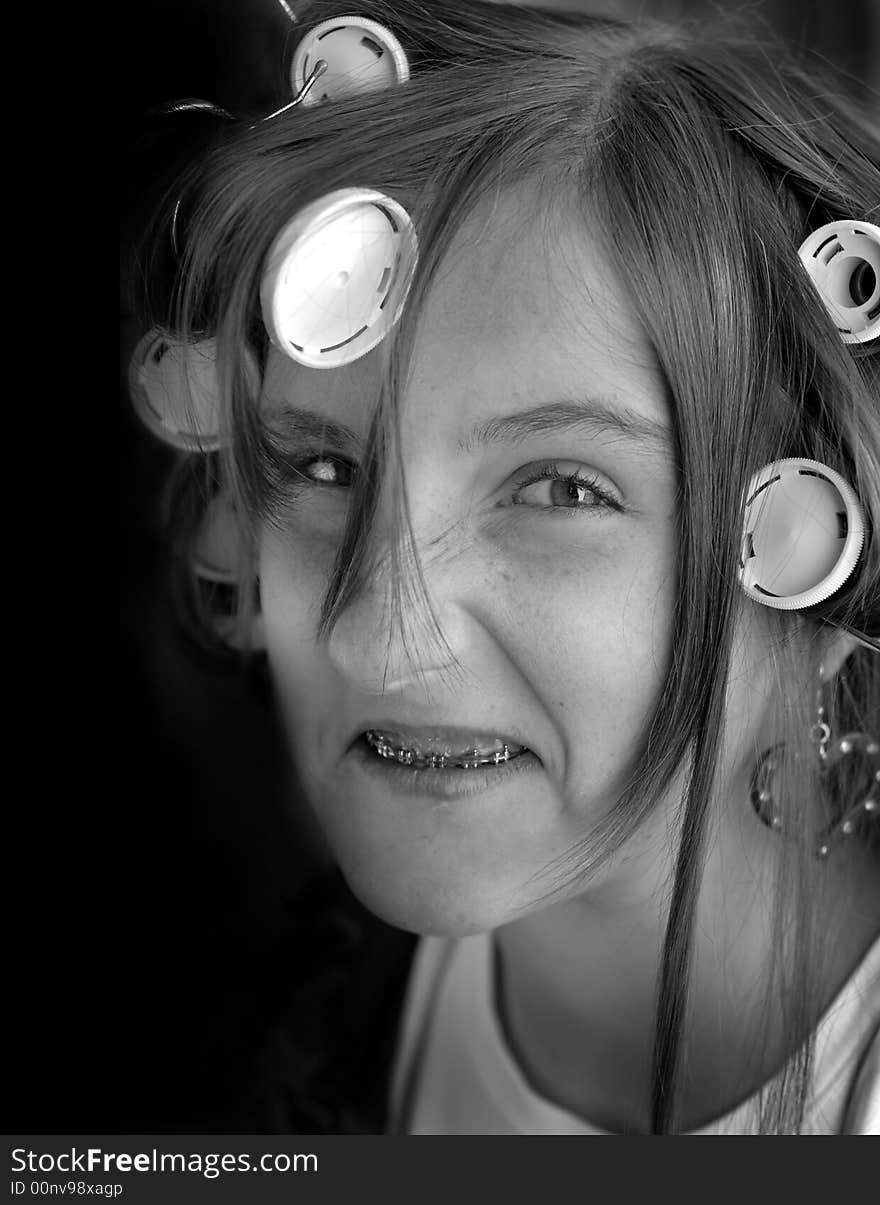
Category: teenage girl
<point>524,371</point>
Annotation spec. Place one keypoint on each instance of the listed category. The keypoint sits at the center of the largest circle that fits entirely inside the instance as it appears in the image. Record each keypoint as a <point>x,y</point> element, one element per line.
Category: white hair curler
<point>843,262</point>
<point>361,56</point>
<point>337,276</point>
<point>803,534</point>
<point>173,387</point>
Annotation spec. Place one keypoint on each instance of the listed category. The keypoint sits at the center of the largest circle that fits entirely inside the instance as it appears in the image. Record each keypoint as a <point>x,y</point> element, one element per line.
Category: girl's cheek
<point>296,560</point>
<point>291,590</point>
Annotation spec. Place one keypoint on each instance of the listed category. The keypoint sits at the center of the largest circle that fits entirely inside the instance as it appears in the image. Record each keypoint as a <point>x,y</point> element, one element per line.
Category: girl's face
<point>541,488</point>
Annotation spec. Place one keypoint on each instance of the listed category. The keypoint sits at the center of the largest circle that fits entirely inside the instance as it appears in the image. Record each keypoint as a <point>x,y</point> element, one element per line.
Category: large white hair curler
<point>173,386</point>
<point>336,278</point>
<point>803,534</point>
<point>360,55</point>
<point>843,262</point>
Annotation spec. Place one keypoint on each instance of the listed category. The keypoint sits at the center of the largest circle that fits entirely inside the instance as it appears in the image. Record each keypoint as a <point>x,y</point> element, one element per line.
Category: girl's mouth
<point>432,776</point>
<point>433,754</point>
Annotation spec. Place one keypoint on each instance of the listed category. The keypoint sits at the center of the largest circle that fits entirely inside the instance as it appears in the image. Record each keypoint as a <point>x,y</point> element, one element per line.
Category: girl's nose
<point>383,645</point>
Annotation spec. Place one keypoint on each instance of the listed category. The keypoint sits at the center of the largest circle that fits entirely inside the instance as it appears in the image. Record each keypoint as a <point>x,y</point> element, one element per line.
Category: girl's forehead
<point>519,285</point>
<point>522,301</point>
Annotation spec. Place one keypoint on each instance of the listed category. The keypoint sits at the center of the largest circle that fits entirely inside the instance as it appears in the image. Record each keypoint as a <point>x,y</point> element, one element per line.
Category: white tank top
<point>453,1072</point>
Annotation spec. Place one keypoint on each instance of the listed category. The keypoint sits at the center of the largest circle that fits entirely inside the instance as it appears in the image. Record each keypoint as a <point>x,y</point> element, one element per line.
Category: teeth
<point>483,746</point>
<point>481,753</point>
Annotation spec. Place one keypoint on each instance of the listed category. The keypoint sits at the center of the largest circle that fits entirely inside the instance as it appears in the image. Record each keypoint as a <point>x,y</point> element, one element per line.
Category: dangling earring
<point>831,754</point>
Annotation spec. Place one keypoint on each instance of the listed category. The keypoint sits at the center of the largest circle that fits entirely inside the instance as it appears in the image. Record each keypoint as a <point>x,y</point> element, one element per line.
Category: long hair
<point>701,158</point>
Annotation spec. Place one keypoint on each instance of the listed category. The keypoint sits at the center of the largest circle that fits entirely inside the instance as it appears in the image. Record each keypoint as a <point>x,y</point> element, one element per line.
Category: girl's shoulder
<point>847,1054</point>
<point>863,1107</point>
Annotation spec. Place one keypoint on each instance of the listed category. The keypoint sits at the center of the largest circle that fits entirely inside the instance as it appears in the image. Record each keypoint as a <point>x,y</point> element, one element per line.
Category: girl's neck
<point>576,982</point>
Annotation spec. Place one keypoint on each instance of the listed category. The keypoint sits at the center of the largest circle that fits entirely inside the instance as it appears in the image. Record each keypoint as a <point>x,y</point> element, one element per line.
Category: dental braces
<point>435,761</point>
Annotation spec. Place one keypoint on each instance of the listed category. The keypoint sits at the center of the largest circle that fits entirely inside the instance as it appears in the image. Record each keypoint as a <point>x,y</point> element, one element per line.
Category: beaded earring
<point>831,752</point>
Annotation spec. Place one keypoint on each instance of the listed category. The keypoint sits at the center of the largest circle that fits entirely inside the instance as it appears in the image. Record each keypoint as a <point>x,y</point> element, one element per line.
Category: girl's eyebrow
<point>301,426</point>
<point>593,416</point>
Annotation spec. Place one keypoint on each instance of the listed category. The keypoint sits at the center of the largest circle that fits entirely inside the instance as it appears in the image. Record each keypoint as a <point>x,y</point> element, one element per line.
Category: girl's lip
<point>441,784</point>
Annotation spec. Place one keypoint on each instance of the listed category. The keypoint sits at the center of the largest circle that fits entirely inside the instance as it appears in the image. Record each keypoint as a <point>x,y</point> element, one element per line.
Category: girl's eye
<point>548,488</point>
<point>323,470</point>
<point>551,488</point>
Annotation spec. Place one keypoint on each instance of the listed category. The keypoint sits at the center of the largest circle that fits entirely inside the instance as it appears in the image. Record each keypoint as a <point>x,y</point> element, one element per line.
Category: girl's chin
<point>438,909</point>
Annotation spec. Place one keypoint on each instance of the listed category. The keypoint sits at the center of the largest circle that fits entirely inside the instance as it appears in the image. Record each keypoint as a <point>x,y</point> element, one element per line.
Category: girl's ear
<point>836,650</point>
<point>220,548</point>
<point>221,559</point>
